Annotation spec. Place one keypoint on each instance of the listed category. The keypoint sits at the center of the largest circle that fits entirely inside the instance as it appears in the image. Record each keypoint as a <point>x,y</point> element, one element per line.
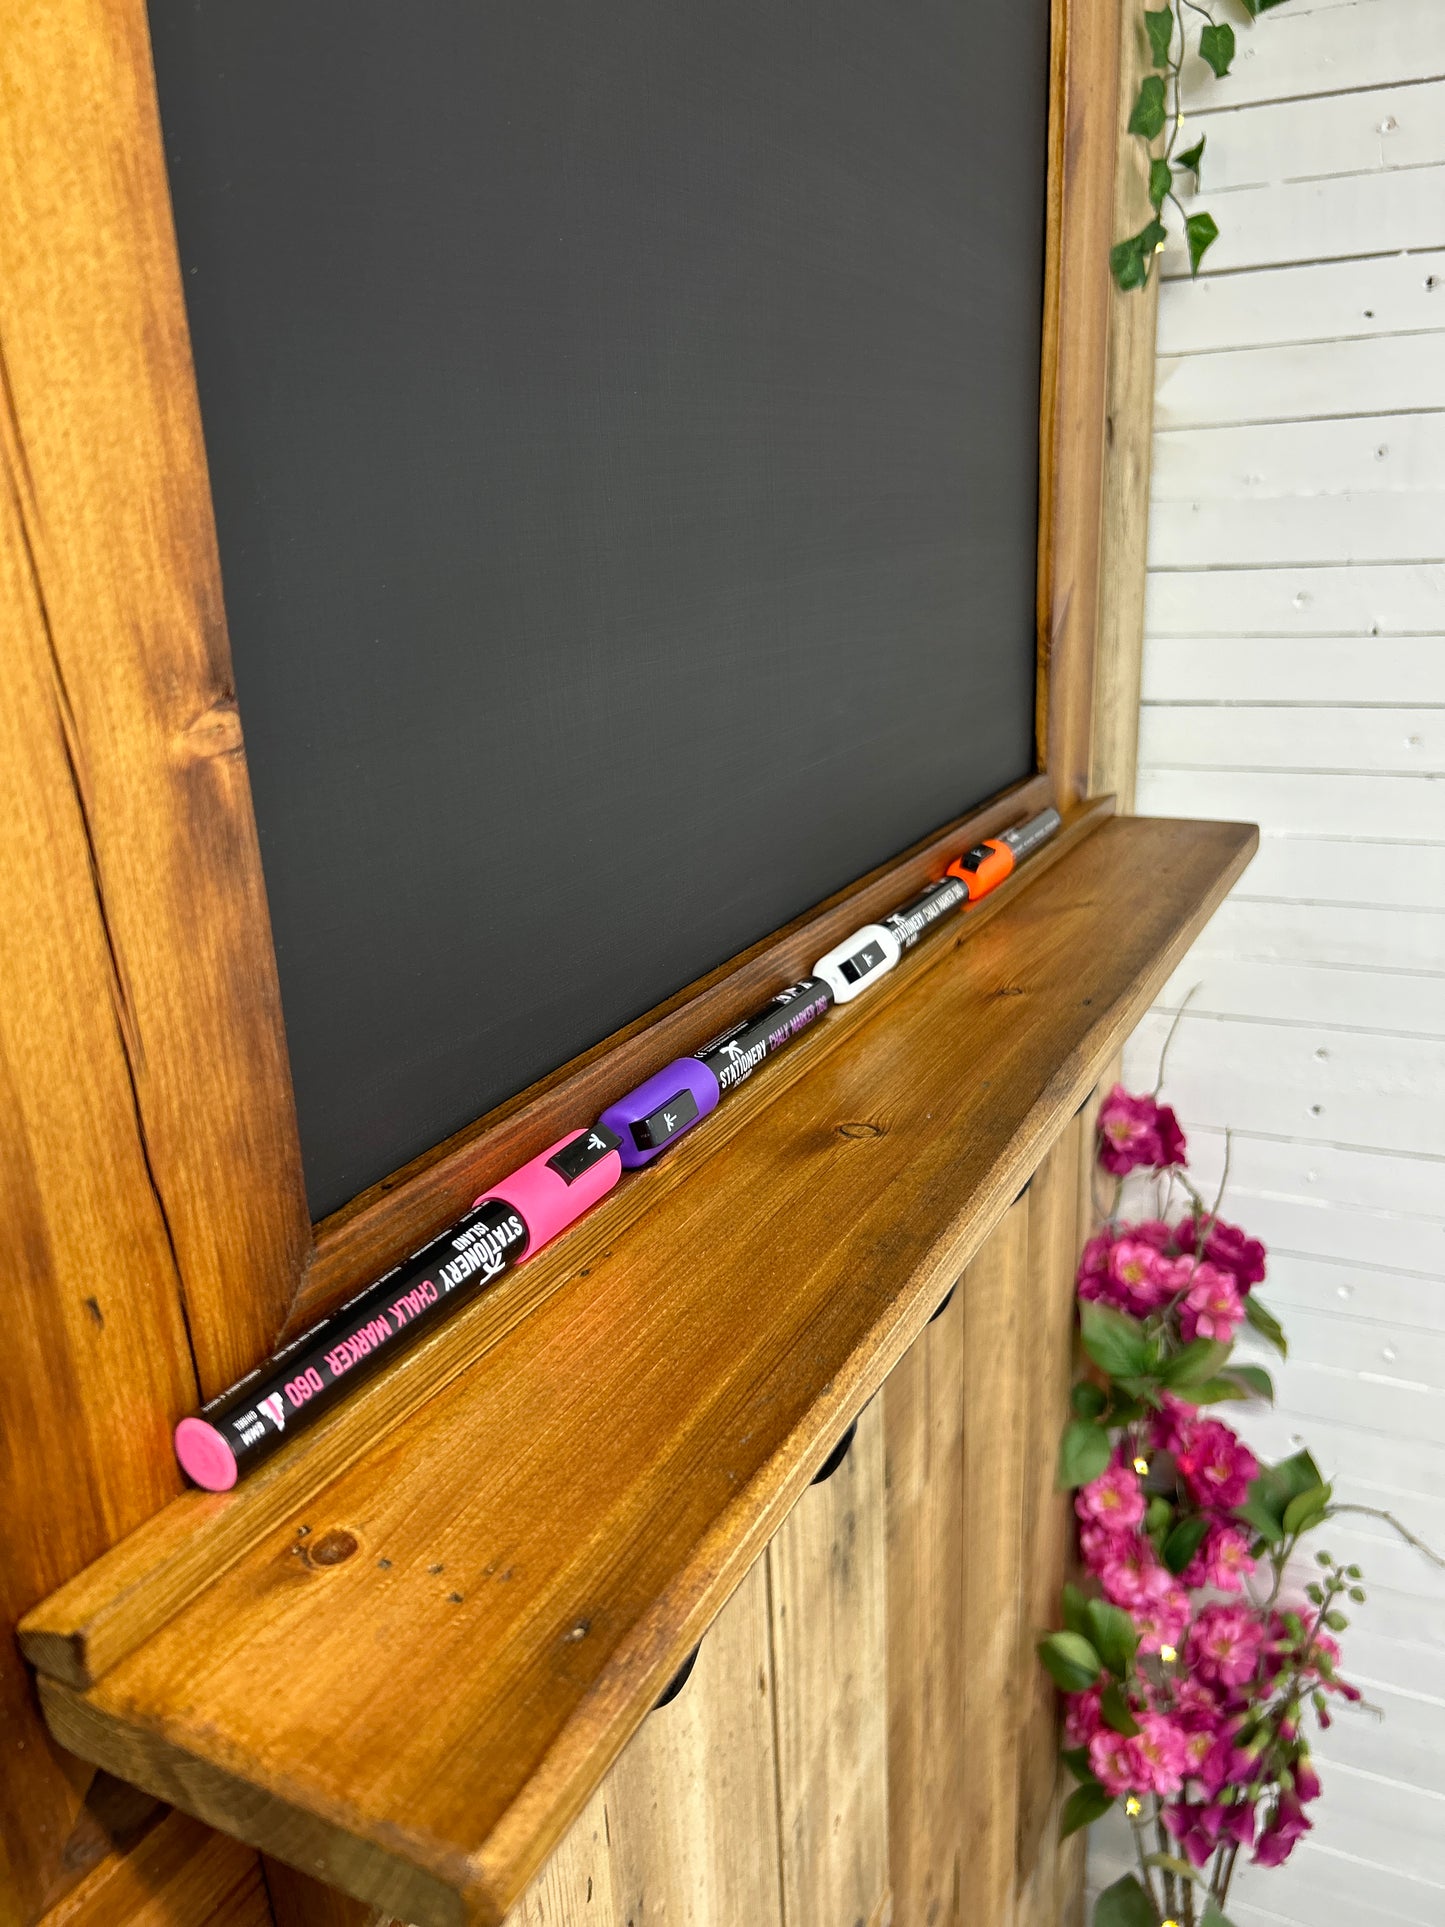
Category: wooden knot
<point>332,1548</point>
<point>215,732</point>
<point>860,1127</point>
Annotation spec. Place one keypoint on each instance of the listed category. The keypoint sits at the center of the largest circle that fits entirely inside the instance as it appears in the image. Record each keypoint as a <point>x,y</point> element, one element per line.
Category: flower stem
<point>1377,1512</point>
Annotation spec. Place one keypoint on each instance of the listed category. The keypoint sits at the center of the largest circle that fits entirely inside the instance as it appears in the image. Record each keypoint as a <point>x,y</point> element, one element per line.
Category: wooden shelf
<point>404,1654</point>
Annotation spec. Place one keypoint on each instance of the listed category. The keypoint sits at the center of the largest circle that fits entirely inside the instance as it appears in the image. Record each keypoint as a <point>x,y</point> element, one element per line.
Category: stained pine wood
<point>82,1630</point>
<point>182,1874</point>
<point>1082,159</point>
<point>826,1588</point>
<point>597,1483</point>
<point>109,477</point>
<point>924,1420</point>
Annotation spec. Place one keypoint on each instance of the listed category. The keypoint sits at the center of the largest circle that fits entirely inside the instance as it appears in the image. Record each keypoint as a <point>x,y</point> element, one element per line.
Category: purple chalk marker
<point>669,1103</point>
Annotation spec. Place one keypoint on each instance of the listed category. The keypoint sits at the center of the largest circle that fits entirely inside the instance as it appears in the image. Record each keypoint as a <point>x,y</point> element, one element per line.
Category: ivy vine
<point>1160,104</point>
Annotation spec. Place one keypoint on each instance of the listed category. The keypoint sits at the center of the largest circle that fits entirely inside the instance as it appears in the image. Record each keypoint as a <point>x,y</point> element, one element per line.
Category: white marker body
<point>858,961</point>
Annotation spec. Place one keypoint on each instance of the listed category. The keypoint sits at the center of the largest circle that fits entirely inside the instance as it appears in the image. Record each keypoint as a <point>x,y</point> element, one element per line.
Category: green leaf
<point>1216,46</point>
<point>1198,1361</point>
<point>1201,231</point>
<point>1192,156</point>
<point>1180,1869</point>
<point>1159,1513</point>
<point>1118,1344</point>
<point>1290,1477</point>
<point>1125,1904</point>
<point>1263,1320</point>
<point>1076,1759</point>
<point>1256,1513</point>
<point>1256,1379</point>
<point>1307,1509</point>
<point>1160,29</point>
<point>1147,117</point>
<point>1334,1619</point>
<point>1115,1709</point>
<point>1084,1806</point>
<point>1087,1400</point>
<point>1161,179</point>
<point>1184,1541</point>
<point>1084,1453</point>
<point>1113,1635</point>
<point>1076,1610</point>
<point>1214,1391</point>
<point>1071,1661</point>
<point>1212,1917</point>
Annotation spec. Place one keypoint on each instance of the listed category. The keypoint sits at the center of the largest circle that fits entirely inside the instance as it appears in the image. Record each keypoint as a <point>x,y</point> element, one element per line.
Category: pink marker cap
<point>560,1184</point>
<point>204,1455</point>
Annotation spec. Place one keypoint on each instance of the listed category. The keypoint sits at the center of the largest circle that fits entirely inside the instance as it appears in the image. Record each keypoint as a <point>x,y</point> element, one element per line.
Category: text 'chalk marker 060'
<point>737,1053</point>
<point>852,965</point>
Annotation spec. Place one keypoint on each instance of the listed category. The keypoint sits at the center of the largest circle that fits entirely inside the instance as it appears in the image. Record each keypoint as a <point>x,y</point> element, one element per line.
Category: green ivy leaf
<point>1084,1452</point>
<point>1216,46</point>
<point>1087,1400</point>
<point>1076,1610</point>
<point>1115,1709</point>
<point>1192,156</point>
<point>1113,1635</point>
<point>1184,1541</point>
<point>1307,1509</point>
<point>1201,231</point>
<point>1147,117</point>
<point>1160,29</point>
<point>1084,1806</point>
<point>1199,1360</point>
<point>1071,1661</point>
<point>1256,1379</point>
<point>1161,179</point>
<point>1263,1320</point>
<point>1125,1904</point>
<point>1118,1344</point>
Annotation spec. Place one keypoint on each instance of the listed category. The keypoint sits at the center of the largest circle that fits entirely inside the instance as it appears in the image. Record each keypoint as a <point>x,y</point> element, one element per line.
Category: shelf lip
<point>536,1546</point>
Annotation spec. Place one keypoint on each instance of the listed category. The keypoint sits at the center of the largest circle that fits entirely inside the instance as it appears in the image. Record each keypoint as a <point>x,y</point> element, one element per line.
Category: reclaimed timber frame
<point>154,1225</point>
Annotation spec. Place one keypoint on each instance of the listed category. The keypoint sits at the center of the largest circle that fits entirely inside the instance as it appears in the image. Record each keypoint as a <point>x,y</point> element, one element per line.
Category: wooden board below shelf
<point>563,1520</point>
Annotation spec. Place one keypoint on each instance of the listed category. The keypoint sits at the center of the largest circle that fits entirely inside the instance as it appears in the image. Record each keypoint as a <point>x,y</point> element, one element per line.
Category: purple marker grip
<point>669,1103</point>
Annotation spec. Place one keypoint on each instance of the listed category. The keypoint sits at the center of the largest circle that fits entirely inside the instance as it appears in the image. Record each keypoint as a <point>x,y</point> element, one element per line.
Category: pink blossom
<point>1174,1425</point>
<point>1224,1645</point>
<point>1160,1619</point>
<point>1222,1560</point>
<point>1216,1467</point>
<point>1306,1780</point>
<point>1113,1500</point>
<point>1227,1246</point>
<point>1130,1573</point>
<point>1113,1761</point>
<point>1083,1716</point>
<point>1136,1132</point>
<point>1284,1827</point>
<point>1239,1822</point>
<point>1196,1829</point>
<point>1212,1306</point>
<point>1161,1753</point>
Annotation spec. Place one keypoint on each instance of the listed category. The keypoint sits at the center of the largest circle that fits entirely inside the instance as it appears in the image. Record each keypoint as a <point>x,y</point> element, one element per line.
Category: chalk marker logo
<point>274,1410</point>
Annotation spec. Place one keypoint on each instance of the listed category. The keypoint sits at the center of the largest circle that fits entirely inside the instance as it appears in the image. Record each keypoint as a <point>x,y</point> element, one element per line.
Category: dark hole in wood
<point>836,1457</point>
<point>679,1679</point>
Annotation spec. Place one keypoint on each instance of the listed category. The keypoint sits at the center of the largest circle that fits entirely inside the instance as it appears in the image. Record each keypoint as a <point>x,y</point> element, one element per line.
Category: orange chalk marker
<point>985,866</point>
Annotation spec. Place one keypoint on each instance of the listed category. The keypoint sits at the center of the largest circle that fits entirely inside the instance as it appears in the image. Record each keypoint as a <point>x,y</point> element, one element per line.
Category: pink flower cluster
<point>1143,1268</point>
<point>1137,1133</point>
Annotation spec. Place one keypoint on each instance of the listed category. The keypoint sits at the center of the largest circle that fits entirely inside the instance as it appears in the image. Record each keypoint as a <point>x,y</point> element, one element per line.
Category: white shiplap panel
<point>1311,1083</point>
<point>1252,462</point>
<point>1331,301</point>
<point>1306,221</point>
<point>1374,376</point>
<point>1374,131</point>
<point>1272,669</point>
<point>1384,599</point>
<point>1300,529</point>
<point>1339,1258</point>
<point>1365,1180</point>
<point>1362,1343</point>
<point>1356,871</point>
<point>1314,736</point>
<point>1398,808</point>
<point>1293,993</point>
<point>1381,941</point>
<point>1288,55</point>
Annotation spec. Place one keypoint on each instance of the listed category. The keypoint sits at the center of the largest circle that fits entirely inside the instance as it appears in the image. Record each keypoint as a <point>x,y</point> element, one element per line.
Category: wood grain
<point>110,480</point>
<point>182,1874</point>
<point>995,1291</point>
<point>1082,151</point>
<point>826,1588</point>
<point>923,1421</point>
<point>84,1628</point>
<point>553,1531</point>
<point>1133,320</point>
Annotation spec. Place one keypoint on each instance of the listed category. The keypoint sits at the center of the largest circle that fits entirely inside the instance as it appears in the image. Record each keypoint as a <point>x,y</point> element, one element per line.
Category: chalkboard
<point>622,425</point>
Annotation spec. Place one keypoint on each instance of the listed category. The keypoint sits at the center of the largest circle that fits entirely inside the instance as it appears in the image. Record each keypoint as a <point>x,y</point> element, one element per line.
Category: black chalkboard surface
<point>622,424</point>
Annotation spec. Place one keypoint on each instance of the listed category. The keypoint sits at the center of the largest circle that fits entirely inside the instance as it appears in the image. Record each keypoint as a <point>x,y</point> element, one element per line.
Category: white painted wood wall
<point>1294,674</point>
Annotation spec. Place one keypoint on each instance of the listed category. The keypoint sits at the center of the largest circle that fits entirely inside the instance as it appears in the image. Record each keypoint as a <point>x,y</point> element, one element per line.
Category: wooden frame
<point>150,1115</point>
